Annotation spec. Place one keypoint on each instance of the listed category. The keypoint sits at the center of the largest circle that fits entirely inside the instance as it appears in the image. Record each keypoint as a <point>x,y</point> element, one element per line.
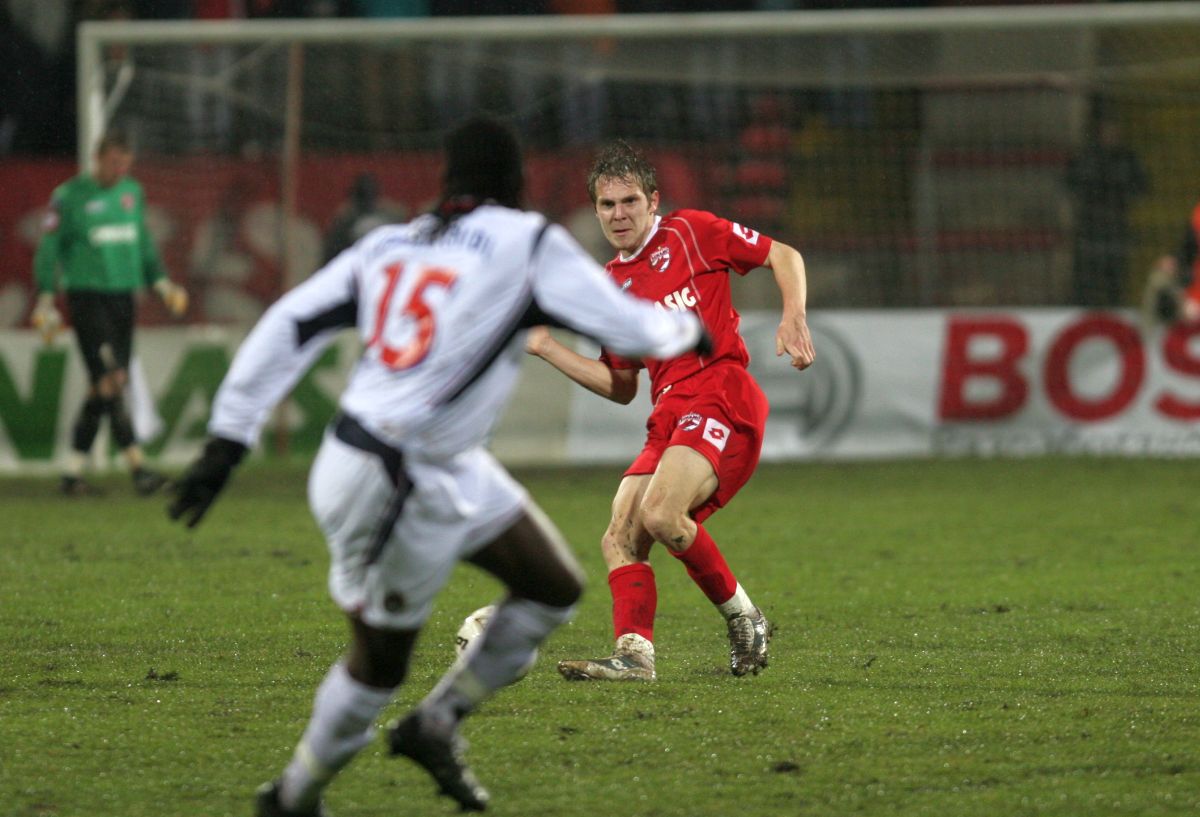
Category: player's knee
<point>115,378</point>
<point>667,525</point>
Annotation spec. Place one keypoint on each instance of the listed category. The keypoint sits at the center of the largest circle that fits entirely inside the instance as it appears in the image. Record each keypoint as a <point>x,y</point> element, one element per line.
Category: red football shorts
<point>721,413</point>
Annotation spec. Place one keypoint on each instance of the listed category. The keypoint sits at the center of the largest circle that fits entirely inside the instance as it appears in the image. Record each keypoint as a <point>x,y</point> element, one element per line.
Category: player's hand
<point>1164,301</point>
<point>536,339</point>
<point>46,318</point>
<point>794,339</point>
<point>196,490</point>
<point>174,297</point>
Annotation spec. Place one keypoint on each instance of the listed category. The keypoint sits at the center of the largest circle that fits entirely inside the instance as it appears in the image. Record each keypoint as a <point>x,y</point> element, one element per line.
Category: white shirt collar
<point>649,235</point>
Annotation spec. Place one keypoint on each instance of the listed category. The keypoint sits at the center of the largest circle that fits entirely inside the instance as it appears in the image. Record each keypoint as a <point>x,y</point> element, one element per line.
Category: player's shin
<point>120,422</point>
<point>342,723</point>
<point>496,660</point>
<point>87,425</point>
<point>635,600</point>
<point>709,570</point>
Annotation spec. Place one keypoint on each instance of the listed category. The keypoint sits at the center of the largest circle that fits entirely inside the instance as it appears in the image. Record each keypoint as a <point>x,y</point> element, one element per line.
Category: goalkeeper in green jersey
<point>95,234</point>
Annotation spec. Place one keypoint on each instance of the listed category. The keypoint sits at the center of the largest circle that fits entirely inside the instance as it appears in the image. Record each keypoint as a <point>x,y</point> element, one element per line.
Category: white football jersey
<point>441,314</point>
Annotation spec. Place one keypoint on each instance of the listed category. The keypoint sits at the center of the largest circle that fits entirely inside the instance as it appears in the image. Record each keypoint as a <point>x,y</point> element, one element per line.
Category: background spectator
<point>1104,178</point>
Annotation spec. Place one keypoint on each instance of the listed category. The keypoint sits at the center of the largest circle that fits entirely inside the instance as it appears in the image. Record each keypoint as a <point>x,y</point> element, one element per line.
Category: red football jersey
<point>685,264</point>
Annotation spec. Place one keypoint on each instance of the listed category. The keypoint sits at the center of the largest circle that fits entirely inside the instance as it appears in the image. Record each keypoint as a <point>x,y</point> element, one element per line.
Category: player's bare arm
<point>792,337</point>
<point>618,385</point>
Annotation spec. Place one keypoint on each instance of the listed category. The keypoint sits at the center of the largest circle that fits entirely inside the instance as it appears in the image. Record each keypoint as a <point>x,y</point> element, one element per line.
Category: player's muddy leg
<point>626,549</point>
<point>626,541</point>
<point>683,481</point>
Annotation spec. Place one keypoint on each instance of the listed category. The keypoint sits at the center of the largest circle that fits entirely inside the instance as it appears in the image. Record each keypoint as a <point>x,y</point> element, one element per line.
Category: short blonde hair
<point>618,160</point>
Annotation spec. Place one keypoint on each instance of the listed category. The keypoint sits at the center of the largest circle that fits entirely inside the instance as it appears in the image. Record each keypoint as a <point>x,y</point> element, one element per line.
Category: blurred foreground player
<point>705,431</point>
<point>402,486</point>
<point>95,230</point>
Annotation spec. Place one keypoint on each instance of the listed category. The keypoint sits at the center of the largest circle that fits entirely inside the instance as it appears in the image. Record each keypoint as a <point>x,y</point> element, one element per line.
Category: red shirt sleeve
<point>725,244</point>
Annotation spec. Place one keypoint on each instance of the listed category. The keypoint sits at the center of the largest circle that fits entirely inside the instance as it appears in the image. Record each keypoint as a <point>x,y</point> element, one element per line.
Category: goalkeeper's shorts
<point>103,324</point>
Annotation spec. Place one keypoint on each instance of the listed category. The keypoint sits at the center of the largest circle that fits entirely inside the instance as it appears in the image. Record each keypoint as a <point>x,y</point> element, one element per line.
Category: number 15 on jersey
<point>417,312</point>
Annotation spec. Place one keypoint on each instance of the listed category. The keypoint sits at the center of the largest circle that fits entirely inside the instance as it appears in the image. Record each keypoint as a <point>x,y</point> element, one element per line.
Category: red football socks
<point>707,567</point>
<point>635,598</point>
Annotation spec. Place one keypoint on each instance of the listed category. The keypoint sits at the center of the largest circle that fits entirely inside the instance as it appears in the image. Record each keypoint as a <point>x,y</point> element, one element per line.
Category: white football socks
<point>739,604</point>
<point>344,710</point>
<point>76,460</point>
<point>632,642</point>
<point>342,723</point>
<point>496,660</point>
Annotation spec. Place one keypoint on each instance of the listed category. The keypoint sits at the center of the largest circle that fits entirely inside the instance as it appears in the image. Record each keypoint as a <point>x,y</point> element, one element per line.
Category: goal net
<point>966,157</point>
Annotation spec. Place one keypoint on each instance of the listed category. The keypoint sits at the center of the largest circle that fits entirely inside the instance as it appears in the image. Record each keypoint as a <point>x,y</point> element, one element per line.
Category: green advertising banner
<point>175,374</point>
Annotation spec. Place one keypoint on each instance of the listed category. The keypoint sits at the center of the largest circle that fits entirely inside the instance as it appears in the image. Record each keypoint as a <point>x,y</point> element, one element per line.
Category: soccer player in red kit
<point>705,432</point>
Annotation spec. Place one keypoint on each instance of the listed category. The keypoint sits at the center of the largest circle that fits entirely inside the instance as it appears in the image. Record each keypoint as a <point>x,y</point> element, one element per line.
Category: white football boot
<point>749,636</point>
<point>632,660</point>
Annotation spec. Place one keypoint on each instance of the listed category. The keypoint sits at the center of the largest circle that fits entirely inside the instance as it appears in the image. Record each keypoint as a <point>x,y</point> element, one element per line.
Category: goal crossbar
<point>93,37</point>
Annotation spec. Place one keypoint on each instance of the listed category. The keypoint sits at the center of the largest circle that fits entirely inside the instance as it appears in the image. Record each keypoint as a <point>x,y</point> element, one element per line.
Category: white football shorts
<point>454,508</point>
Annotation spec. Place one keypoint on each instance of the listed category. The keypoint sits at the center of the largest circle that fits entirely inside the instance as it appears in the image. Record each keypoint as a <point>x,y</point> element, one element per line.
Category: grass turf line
<point>959,637</point>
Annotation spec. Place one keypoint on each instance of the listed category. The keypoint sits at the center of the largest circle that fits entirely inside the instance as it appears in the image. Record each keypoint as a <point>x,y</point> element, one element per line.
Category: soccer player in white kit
<point>403,487</point>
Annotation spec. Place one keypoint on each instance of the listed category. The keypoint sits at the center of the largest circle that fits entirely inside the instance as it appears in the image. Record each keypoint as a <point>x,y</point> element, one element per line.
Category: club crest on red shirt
<point>690,421</point>
<point>660,259</point>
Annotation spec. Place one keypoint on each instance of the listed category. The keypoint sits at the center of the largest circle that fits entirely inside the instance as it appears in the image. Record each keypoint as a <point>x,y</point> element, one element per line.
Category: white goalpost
<point>919,154</point>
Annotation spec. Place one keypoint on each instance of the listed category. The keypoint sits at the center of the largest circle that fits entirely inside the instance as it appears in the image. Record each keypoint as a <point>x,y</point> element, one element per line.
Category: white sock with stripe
<point>502,656</point>
<point>342,723</point>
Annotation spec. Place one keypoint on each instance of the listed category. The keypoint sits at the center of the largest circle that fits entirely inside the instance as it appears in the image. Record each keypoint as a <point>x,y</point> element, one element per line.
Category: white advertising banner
<point>896,383</point>
<point>918,383</point>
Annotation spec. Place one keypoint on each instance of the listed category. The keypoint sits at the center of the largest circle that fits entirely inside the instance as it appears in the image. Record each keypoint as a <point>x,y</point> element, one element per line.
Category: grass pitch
<point>954,638</point>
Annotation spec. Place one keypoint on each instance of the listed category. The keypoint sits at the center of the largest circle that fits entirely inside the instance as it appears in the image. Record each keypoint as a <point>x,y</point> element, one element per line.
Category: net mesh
<point>932,167</point>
